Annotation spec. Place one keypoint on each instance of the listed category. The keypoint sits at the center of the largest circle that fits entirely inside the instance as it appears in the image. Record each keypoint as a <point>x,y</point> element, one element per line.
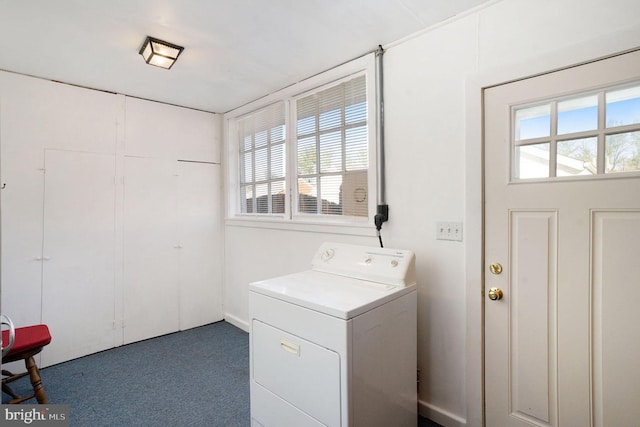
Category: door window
<point>585,135</point>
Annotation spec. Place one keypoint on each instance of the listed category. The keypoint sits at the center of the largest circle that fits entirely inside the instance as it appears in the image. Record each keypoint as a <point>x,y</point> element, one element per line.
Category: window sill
<point>347,228</point>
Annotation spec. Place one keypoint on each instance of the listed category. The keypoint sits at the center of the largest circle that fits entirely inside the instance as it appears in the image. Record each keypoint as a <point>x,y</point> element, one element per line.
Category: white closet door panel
<point>160,130</point>
<point>199,224</point>
<point>78,254</point>
<point>22,235</point>
<point>150,249</point>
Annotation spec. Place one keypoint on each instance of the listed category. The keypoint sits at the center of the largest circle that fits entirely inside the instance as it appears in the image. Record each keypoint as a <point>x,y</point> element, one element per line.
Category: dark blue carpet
<point>198,377</point>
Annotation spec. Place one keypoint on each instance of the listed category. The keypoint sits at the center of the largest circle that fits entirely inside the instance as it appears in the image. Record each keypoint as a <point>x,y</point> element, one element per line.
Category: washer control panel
<point>382,265</point>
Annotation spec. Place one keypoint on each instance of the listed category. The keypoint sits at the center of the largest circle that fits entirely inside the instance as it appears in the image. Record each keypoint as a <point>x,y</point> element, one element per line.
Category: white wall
<point>73,255</point>
<point>433,84</point>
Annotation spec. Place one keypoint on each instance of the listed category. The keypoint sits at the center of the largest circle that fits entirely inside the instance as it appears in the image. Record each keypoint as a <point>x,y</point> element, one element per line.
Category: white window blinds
<point>332,150</point>
<point>262,160</point>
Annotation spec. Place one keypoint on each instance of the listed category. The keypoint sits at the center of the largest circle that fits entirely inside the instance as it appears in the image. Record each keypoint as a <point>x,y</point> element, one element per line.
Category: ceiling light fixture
<point>160,53</point>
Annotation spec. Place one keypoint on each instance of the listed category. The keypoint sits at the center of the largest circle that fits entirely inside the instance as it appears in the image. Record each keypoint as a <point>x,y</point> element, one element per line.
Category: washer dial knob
<point>327,254</point>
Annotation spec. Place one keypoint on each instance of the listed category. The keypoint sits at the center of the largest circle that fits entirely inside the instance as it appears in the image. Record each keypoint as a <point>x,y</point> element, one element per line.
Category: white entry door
<point>562,247</point>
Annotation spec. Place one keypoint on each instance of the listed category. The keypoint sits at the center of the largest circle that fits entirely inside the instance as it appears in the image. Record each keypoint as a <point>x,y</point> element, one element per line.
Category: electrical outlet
<point>449,231</point>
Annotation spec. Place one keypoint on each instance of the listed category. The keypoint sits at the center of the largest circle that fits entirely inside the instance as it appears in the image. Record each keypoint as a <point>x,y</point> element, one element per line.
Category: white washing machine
<point>336,345</point>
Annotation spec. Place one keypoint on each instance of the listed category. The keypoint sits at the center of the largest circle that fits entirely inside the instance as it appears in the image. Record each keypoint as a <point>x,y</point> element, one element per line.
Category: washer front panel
<point>300,372</point>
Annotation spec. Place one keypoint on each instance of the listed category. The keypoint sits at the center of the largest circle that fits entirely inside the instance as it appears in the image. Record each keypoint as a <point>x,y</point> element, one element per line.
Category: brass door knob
<point>495,294</point>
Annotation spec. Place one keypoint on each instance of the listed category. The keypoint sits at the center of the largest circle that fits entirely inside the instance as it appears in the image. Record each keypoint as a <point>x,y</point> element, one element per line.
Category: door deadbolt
<point>495,268</point>
<point>495,294</point>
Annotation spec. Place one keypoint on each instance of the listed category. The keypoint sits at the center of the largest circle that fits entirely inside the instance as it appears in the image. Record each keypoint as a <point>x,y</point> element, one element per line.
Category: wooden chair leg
<point>9,391</point>
<point>36,382</point>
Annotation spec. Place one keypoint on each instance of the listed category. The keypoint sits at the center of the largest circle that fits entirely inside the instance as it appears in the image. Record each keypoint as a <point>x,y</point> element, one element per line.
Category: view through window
<point>262,137</point>
<point>590,134</point>
<point>332,150</point>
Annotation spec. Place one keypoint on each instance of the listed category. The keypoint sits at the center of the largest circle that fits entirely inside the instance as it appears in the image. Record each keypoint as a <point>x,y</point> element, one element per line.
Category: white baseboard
<point>440,416</point>
<point>237,322</point>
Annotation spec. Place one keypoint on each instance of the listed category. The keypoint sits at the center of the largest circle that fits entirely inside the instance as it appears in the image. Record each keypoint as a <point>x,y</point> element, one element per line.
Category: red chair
<point>28,342</point>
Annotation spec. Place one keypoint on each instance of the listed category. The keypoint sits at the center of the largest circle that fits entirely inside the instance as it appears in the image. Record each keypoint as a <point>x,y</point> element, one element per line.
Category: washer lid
<point>335,295</point>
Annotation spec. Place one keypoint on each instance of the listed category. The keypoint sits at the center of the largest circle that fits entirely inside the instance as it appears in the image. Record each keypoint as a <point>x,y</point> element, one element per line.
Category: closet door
<point>199,228</point>
<point>151,247</point>
<point>21,234</point>
<point>78,253</point>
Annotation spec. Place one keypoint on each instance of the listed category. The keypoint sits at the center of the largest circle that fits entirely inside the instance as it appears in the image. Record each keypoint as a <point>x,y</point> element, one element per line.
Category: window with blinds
<point>261,143</point>
<point>332,150</point>
<point>302,154</point>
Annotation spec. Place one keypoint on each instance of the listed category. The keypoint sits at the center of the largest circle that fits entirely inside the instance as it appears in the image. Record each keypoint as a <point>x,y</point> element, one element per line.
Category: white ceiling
<point>235,50</point>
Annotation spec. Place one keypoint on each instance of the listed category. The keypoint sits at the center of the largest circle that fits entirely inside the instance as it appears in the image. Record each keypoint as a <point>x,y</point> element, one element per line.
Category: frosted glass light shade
<point>160,53</point>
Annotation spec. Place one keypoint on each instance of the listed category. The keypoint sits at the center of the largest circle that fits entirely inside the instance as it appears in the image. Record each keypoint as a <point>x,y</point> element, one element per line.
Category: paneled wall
<point>111,227</point>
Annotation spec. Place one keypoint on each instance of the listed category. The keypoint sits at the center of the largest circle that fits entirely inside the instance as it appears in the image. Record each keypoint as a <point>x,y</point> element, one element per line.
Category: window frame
<point>268,146</point>
<point>600,133</point>
<point>295,211</point>
<point>292,219</point>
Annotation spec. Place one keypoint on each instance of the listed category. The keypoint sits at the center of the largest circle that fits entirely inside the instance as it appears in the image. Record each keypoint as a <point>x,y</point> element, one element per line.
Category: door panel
<point>533,243</point>
<point>198,219</point>
<point>616,336</point>
<point>22,171</point>
<point>561,345</point>
<point>151,295</point>
<point>172,249</point>
<point>78,254</point>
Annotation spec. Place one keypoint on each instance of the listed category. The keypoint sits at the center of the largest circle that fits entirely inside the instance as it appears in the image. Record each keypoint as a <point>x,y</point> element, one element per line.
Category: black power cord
<point>379,218</point>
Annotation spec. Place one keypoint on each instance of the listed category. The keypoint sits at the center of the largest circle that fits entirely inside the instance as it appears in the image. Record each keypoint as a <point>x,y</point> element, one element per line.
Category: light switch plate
<point>449,230</point>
